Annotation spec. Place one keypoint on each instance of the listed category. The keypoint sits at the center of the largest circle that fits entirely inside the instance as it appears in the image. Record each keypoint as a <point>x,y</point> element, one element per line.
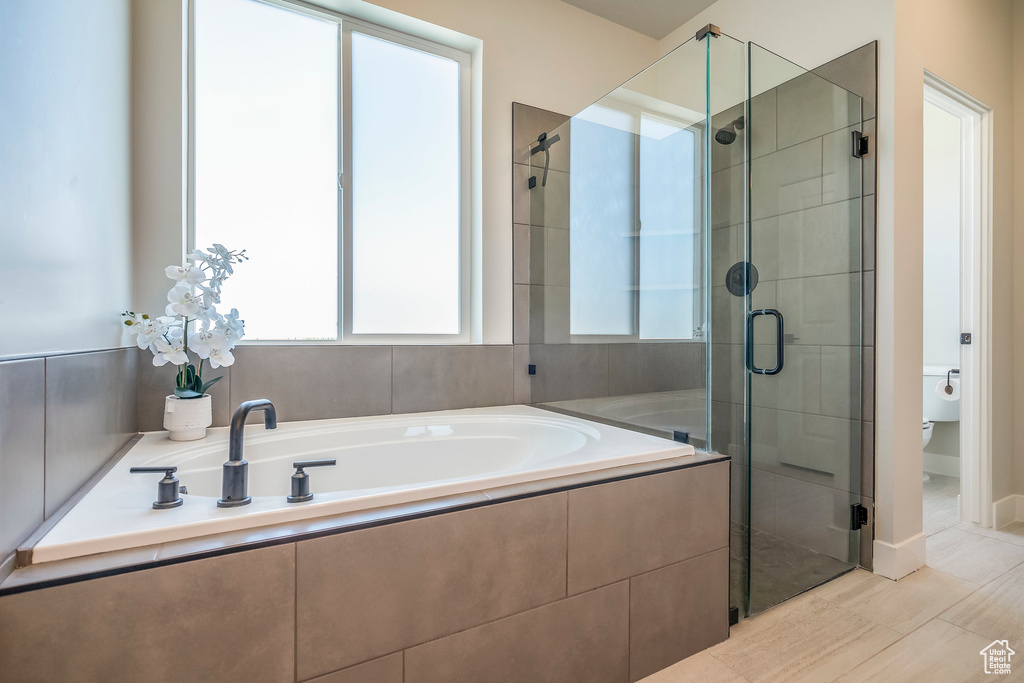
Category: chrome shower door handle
<point>780,334</point>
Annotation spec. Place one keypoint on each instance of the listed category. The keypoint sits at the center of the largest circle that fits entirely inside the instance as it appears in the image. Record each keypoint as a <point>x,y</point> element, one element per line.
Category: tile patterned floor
<point>929,626</point>
<point>940,494</point>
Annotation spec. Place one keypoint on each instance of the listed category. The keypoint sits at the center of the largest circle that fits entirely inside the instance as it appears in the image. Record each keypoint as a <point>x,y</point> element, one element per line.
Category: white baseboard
<point>936,463</point>
<point>896,561</point>
<point>1008,510</point>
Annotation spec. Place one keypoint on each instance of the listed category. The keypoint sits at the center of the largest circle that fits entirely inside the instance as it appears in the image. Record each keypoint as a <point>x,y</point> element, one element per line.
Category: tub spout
<point>235,487</point>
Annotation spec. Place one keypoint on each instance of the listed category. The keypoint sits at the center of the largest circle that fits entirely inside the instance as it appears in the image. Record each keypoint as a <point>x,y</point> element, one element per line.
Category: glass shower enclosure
<point>699,228</point>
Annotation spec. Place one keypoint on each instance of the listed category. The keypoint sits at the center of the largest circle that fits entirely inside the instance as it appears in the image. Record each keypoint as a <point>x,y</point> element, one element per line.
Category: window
<point>337,154</point>
<point>635,235</point>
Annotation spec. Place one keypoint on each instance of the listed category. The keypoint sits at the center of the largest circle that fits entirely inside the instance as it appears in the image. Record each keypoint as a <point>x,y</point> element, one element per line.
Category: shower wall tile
<point>809,106</point>
<point>156,383</point>
<point>855,71</point>
<point>582,638</point>
<point>313,382</point>
<point>869,231</point>
<point>528,123</point>
<point>763,125</point>
<point>727,373</point>
<point>727,197</point>
<point>729,314</point>
<point>841,171</point>
<point>23,411</point>
<point>868,327</point>
<point>88,417</point>
<point>726,249</point>
<point>521,378</point>
<point>818,443</point>
<point>556,257</point>
<point>549,204</point>
<point>841,381</point>
<point>798,388</point>
<point>448,377</point>
<point>365,594</point>
<point>665,606</point>
<point>788,180</point>
<point>521,254</point>
<point>568,371</point>
<point>612,538</point>
<point>130,627</point>
<point>815,241</point>
<point>669,366</point>
<point>521,308</point>
<point>556,315</point>
<point>811,304</point>
<point>622,369</point>
<point>870,159</point>
<point>867,400</point>
<point>520,194</point>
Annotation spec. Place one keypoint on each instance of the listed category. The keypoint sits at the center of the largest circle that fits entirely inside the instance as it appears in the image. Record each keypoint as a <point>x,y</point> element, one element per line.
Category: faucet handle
<point>166,490</point>
<point>300,480</point>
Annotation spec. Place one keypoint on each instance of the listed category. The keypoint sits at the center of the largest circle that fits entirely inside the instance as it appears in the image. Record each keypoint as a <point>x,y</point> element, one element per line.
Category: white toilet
<point>936,409</point>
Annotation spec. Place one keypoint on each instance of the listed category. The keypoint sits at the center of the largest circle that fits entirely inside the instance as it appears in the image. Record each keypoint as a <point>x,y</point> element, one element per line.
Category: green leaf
<point>187,393</point>
<point>210,384</point>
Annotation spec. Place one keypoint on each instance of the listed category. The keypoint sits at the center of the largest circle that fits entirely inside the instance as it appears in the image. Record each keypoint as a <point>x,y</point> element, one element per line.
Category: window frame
<point>345,26</point>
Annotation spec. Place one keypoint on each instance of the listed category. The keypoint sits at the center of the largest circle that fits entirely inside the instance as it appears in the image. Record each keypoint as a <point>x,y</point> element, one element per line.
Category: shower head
<point>727,134</point>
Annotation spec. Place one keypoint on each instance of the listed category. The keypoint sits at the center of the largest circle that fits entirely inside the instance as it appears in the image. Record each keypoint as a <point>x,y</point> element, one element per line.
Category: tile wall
<point>61,418</point>
<point>810,422</point>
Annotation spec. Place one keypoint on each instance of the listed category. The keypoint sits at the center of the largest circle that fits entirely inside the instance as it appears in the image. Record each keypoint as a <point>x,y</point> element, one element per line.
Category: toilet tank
<point>935,409</point>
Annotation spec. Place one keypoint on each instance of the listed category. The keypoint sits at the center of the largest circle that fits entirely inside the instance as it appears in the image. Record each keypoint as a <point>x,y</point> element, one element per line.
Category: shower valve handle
<point>300,480</point>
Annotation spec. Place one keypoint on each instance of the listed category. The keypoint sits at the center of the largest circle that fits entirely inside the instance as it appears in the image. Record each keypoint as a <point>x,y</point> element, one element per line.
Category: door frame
<point>975,503</point>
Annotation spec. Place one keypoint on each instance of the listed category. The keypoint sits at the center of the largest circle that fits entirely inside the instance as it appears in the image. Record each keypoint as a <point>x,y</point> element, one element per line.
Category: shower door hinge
<point>734,616</point>
<point>858,516</point>
<point>860,144</point>
<point>711,30</point>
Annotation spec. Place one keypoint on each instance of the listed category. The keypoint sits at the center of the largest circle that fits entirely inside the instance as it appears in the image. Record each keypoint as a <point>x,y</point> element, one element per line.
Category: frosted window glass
<point>266,162</point>
<point>601,219</point>
<point>405,190</point>
<point>669,233</point>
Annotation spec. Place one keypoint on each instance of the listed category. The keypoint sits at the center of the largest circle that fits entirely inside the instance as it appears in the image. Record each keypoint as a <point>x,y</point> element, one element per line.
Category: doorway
<point>956,343</point>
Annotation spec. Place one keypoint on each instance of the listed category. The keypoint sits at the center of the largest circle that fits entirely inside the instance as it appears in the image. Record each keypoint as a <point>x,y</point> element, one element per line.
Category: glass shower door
<point>801,293</point>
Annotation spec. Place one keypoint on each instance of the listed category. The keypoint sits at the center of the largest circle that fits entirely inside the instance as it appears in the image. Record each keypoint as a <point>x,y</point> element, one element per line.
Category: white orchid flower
<point>187,273</point>
<point>151,330</point>
<point>234,329</point>
<point>207,342</point>
<point>169,351</point>
<point>183,302</point>
<point>221,358</point>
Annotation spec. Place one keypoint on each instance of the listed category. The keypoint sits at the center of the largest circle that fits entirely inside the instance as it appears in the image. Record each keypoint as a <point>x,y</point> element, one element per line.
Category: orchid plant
<point>191,322</point>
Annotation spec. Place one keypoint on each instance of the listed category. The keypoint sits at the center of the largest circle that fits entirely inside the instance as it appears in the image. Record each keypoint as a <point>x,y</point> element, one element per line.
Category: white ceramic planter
<point>187,418</point>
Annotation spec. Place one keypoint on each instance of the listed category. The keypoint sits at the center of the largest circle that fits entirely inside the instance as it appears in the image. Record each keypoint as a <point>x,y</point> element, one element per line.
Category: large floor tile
<point>936,653</point>
<point>700,667</point>
<point>384,670</point>
<point>994,611</point>
<point>940,494</point>
<point>902,605</point>
<point>1011,533</point>
<point>805,639</point>
<point>971,557</point>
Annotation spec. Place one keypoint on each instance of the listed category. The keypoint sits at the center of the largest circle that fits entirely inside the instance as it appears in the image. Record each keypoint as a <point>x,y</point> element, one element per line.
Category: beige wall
<point>64,175</point>
<point>539,52</point>
<point>969,45</point>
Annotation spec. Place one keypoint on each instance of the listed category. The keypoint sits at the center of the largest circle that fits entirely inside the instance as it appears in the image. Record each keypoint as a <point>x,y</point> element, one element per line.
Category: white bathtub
<point>382,461</point>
